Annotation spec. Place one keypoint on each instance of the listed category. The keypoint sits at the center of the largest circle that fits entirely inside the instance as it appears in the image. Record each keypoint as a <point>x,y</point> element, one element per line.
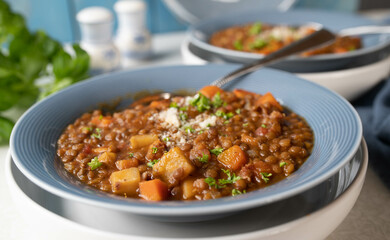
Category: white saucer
<point>51,217</point>
<point>349,83</point>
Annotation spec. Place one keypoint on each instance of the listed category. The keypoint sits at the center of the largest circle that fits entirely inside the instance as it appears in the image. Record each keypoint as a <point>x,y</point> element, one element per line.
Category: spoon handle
<point>315,39</point>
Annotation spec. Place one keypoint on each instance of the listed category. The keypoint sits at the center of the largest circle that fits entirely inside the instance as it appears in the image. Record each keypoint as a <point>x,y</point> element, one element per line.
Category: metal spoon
<point>316,39</point>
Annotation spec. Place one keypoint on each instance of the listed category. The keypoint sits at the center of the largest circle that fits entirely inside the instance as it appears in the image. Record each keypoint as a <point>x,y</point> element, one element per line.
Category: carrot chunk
<point>153,190</point>
<point>210,91</point>
<point>101,121</point>
<point>240,93</point>
<point>233,158</point>
<point>269,98</point>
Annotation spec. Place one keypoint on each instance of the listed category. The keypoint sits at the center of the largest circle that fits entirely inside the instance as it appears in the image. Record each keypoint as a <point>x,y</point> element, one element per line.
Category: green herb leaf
<point>216,151</point>
<point>265,176</point>
<point>213,183</point>
<point>231,178</point>
<point>189,129</point>
<point>154,150</point>
<point>245,124</point>
<point>173,105</point>
<point>151,163</point>
<point>201,102</point>
<point>166,139</point>
<point>97,133</point>
<point>204,158</point>
<point>236,192</point>
<point>183,109</point>
<point>217,101</point>
<point>94,163</point>
<point>256,28</point>
<point>131,154</point>
<point>183,116</point>
<point>238,111</point>
<point>258,44</point>
<point>226,116</point>
<point>281,164</point>
<point>237,45</point>
<point>264,126</point>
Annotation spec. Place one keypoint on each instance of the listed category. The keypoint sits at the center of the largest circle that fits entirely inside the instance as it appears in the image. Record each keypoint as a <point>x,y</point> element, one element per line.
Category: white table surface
<point>369,218</point>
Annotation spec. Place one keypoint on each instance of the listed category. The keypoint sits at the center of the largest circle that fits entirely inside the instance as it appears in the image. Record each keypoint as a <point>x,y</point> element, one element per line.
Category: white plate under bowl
<point>349,83</point>
<point>51,217</point>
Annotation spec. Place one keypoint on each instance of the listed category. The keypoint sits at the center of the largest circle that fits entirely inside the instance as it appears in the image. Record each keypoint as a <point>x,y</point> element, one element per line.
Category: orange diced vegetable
<point>161,104</point>
<point>101,121</point>
<point>153,190</point>
<point>100,150</point>
<point>127,163</point>
<point>240,93</point>
<point>269,98</point>
<point>210,91</point>
<point>233,158</point>
<point>125,181</point>
<point>107,157</point>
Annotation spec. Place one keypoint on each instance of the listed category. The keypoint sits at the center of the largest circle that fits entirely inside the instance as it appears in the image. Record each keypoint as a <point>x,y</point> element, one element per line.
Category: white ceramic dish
<point>51,217</point>
<point>349,83</point>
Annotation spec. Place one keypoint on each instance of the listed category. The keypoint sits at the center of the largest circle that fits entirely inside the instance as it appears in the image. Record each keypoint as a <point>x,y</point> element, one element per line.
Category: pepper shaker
<point>96,25</point>
<point>133,38</point>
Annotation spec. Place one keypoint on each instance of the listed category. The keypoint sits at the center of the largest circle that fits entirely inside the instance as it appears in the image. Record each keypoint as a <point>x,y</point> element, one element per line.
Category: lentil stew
<point>214,144</point>
<point>264,39</point>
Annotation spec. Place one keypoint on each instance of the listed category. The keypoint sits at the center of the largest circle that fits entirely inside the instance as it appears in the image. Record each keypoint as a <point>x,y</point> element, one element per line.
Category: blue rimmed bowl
<point>336,125</point>
<point>375,47</point>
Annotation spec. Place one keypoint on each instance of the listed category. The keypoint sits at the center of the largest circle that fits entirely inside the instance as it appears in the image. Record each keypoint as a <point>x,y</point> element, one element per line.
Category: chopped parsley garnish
<point>204,158</point>
<point>216,151</point>
<point>231,178</point>
<point>281,164</point>
<point>183,109</point>
<point>166,139</point>
<point>256,28</point>
<point>237,45</point>
<point>201,102</point>
<point>259,43</point>
<point>100,117</point>
<point>238,111</point>
<point>213,183</point>
<point>217,101</point>
<point>131,155</point>
<point>97,133</point>
<point>183,116</point>
<point>265,176</point>
<point>245,124</point>
<point>236,192</point>
<point>173,105</point>
<point>154,150</point>
<point>94,163</point>
<point>226,116</point>
<point>87,129</point>
<point>151,163</point>
<point>264,126</point>
<point>226,122</point>
<point>189,129</point>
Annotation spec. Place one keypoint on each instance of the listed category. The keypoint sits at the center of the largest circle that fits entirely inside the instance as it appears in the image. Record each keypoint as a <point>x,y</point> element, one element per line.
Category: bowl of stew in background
<point>35,145</point>
<point>248,26</point>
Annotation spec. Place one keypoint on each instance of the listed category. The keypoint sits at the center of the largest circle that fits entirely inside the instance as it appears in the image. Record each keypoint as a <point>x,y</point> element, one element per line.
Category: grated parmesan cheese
<point>170,116</point>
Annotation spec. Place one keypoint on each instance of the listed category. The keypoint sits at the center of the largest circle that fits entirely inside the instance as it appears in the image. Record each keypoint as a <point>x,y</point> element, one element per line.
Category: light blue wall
<point>57,17</point>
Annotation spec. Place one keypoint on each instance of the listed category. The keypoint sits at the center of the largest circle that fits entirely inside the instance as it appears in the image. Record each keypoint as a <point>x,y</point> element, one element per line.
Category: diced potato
<point>107,157</point>
<point>171,161</point>
<point>210,91</point>
<point>188,189</point>
<point>233,158</point>
<point>153,190</point>
<point>125,181</point>
<point>139,141</point>
<point>269,98</point>
<point>127,163</point>
<point>240,93</point>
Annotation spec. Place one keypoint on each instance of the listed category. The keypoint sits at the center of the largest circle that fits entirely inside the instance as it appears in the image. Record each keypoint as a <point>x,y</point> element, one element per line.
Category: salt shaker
<point>96,24</point>
<point>133,38</point>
